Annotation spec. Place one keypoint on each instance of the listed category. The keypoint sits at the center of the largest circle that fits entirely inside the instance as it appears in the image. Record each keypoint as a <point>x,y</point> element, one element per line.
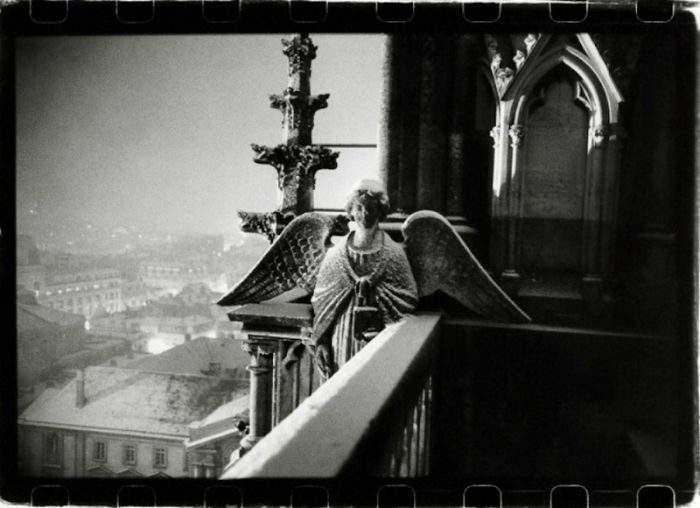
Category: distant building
<point>31,274</point>
<point>84,292</point>
<point>118,422</point>
<point>198,293</point>
<point>44,336</point>
<point>171,276</point>
<point>173,331</point>
<point>135,294</point>
<point>223,326</point>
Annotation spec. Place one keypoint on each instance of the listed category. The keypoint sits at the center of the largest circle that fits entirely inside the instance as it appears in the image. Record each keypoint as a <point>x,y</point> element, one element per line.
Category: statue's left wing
<point>293,260</point>
<point>440,260</point>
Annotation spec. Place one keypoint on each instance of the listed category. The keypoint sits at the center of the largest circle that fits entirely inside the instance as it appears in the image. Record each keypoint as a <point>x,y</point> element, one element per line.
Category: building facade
<point>170,276</point>
<point>112,421</point>
<point>85,292</point>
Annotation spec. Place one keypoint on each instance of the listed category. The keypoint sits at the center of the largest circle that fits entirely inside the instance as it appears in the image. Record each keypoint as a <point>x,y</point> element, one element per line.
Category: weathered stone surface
<point>277,314</point>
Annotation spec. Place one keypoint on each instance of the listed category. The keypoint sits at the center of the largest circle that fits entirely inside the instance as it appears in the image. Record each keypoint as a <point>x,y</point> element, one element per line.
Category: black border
<point>92,18</point>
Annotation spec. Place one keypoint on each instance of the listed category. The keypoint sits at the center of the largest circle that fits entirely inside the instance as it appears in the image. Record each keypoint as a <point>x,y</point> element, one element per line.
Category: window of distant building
<point>52,453</point>
<point>130,454</point>
<point>99,451</point>
<point>160,457</point>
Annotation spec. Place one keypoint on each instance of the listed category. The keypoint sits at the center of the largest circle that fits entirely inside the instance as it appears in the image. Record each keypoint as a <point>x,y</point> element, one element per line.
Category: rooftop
<point>196,356</point>
<point>129,401</point>
<point>32,317</point>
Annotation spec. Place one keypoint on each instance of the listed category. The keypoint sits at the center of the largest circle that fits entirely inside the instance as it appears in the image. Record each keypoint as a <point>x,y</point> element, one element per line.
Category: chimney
<point>80,388</point>
<point>214,368</point>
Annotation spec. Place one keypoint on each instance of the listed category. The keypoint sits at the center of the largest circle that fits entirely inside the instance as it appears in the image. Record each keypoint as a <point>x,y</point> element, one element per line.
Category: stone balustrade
<point>373,417</point>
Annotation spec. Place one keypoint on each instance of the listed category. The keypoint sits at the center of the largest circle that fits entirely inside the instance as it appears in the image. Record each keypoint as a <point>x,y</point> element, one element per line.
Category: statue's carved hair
<point>369,190</point>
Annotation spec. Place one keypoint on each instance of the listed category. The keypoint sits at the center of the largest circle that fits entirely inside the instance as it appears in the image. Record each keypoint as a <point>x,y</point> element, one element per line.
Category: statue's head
<point>368,203</point>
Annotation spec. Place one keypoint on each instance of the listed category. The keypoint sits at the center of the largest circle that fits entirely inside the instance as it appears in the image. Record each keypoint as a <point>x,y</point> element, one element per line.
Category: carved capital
<point>260,355</point>
<point>516,133</point>
<point>495,134</point>
<point>300,51</point>
<point>601,134</point>
<point>257,348</point>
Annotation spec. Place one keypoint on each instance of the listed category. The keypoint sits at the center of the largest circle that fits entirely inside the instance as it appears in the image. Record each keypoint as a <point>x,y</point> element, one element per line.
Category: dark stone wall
<point>540,403</point>
<point>656,182</point>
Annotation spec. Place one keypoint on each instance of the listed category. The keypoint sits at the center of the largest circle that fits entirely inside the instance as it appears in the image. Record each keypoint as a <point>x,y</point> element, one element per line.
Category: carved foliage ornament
<point>601,134</point>
<point>495,133</point>
<point>516,133</point>
<point>268,224</point>
<point>507,56</point>
<point>294,162</point>
<point>292,105</point>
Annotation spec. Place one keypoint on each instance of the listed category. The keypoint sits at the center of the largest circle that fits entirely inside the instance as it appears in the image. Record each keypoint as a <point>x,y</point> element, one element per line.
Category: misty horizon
<point>152,134</point>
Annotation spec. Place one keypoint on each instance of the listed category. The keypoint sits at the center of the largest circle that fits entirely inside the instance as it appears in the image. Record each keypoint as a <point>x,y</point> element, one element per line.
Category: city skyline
<point>153,133</point>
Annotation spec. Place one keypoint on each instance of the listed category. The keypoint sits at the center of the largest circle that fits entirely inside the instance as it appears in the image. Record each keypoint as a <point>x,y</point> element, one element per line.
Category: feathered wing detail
<point>291,261</point>
<point>440,260</point>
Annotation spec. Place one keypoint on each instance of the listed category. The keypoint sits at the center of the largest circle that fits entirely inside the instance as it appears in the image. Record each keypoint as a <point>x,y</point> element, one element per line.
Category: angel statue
<point>366,280</point>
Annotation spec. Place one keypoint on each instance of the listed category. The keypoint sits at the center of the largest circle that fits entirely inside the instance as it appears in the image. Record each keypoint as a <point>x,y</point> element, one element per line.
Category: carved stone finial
<point>297,159</point>
<point>601,134</point>
<point>516,133</point>
<point>300,51</point>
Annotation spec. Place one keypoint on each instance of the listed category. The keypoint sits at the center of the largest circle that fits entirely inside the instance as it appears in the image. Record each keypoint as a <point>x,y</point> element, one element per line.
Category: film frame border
<point>91,18</point>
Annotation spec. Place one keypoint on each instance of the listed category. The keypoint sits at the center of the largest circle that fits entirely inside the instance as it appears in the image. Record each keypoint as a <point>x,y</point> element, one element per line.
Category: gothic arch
<point>605,101</point>
<point>596,91</point>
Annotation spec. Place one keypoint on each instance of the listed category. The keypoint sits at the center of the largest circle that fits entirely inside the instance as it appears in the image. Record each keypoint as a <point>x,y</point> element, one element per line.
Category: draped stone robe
<point>393,291</point>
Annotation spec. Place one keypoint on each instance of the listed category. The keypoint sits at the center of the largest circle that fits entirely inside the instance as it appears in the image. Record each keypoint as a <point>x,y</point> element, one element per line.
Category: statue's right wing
<point>293,260</point>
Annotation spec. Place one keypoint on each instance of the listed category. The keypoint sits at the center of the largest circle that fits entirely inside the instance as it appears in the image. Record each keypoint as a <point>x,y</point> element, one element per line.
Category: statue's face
<point>365,212</point>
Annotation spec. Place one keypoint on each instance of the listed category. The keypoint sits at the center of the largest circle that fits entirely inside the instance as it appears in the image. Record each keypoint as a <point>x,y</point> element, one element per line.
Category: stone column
<point>390,119</point>
<point>594,199</point>
<point>261,364</point>
<point>515,179</point>
<point>406,49</point>
<point>430,192</point>
<point>611,182</point>
<point>462,106</point>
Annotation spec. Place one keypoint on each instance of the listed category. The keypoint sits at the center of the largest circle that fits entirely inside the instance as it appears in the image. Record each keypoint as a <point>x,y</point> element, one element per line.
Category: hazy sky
<point>154,131</point>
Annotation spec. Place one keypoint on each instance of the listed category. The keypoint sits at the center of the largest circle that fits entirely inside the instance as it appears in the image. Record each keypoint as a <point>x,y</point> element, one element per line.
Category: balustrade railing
<point>373,417</point>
